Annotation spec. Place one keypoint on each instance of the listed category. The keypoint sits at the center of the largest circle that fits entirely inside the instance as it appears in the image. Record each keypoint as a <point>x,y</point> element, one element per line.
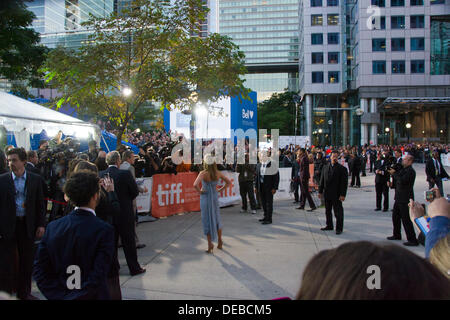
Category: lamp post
<point>387,130</point>
<point>408,127</point>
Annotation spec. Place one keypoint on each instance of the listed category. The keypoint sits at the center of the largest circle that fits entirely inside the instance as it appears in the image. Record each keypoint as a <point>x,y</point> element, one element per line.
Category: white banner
<point>231,195</point>
<point>301,141</point>
<point>284,186</point>
<point>144,200</point>
<point>445,159</point>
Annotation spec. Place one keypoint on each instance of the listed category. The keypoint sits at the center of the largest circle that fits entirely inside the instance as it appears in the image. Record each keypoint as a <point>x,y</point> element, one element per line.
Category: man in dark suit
<point>75,255</point>
<point>32,162</point>
<point>22,220</point>
<point>404,190</point>
<point>127,190</point>
<point>354,166</point>
<point>333,188</point>
<point>304,182</point>
<point>267,180</point>
<point>435,172</point>
<point>295,177</point>
<point>372,158</point>
<point>381,183</point>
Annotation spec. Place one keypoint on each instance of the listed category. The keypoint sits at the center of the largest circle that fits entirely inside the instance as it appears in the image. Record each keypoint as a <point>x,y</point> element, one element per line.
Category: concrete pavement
<point>257,261</point>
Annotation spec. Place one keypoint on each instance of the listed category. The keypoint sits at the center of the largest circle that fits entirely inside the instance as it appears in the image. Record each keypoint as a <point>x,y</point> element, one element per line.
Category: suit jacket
<point>126,190</point>
<point>295,170</point>
<point>79,239</point>
<point>34,205</point>
<point>430,170</point>
<point>381,178</point>
<point>333,181</point>
<point>271,182</point>
<point>404,184</point>
<point>304,168</point>
<point>31,168</point>
<point>354,164</point>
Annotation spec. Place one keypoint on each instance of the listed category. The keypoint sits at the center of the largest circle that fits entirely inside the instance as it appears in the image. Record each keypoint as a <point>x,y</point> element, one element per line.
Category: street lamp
<point>127,92</point>
<point>408,126</point>
<point>387,130</point>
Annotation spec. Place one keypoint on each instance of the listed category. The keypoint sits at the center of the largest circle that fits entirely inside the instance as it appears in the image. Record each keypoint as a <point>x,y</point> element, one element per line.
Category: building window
<point>379,44</point>
<point>397,22</point>
<point>398,66</point>
<point>333,38</point>
<point>317,57</point>
<point>332,3</point>
<point>398,44</point>
<point>316,3</point>
<point>417,66</point>
<point>378,67</point>
<point>317,77</point>
<point>397,3</point>
<point>381,21</point>
<point>437,1</point>
<point>417,22</point>
<point>379,3</point>
<point>316,20</point>
<point>417,44</point>
<point>439,48</point>
<point>333,57</point>
<point>333,19</point>
<point>417,2</point>
<point>316,38</point>
<point>333,77</point>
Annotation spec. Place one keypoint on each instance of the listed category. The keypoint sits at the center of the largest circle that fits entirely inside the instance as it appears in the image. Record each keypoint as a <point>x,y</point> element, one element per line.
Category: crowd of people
<point>93,206</point>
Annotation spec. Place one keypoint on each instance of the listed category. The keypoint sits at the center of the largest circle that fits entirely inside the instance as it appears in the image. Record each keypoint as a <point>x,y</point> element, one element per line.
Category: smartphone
<point>423,224</point>
<point>429,195</point>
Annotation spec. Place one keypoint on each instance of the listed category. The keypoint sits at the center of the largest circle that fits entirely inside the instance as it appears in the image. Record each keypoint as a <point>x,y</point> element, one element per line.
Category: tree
<point>150,49</point>
<point>278,112</point>
<point>21,56</point>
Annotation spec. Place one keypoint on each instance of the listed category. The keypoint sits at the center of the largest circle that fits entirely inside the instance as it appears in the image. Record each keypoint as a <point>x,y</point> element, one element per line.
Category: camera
<point>429,195</point>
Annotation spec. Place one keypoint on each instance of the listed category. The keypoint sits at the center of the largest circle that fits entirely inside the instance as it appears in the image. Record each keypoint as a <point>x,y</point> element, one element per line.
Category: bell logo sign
<point>169,194</point>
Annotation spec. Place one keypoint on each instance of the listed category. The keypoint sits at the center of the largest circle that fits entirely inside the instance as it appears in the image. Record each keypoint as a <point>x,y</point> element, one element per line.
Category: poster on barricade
<point>284,185</point>
<point>174,194</point>
<point>445,159</point>
<point>144,200</point>
<point>230,195</point>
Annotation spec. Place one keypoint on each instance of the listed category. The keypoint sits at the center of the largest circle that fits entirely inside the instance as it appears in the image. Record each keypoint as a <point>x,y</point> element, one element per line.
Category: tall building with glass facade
<point>267,32</point>
<point>389,59</point>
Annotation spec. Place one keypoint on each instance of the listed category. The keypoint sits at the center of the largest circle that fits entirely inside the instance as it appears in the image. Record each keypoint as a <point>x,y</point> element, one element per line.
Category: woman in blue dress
<point>209,201</point>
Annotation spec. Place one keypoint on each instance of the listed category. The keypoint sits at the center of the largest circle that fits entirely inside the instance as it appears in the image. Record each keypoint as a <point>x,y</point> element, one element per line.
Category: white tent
<point>23,118</point>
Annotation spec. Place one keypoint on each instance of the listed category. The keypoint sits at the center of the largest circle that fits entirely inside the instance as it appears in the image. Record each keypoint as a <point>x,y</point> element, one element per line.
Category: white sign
<point>144,200</point>
<point>232,194</point>
<point>445,159</point>
<point>301,141</point>
<point>284,185</point>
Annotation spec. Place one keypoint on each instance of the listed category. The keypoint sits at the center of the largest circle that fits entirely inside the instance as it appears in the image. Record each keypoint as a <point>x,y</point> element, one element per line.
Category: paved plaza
<point>257,261</point>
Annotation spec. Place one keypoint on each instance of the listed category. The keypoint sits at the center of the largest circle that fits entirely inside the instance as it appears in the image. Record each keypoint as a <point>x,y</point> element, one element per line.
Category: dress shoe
<point>326,228</point>
<point>311,209</point>
<point>385,210</point>
<point>411,244</point>
<point>140,246</point>
<point>393,238</point>
<point>261,220</point>
<point>300,208</point>
<point>267,222</point>
<point>338,232</point>
<point>295,202</point>
<point>377,209</point>
<point>135,273</point>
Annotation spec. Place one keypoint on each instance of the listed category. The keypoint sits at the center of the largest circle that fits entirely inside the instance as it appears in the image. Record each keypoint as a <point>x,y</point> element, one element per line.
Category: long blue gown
<point>209,205</point>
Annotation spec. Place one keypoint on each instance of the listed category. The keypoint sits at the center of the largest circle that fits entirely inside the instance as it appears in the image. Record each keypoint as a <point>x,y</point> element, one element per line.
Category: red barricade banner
<point>172,194</point>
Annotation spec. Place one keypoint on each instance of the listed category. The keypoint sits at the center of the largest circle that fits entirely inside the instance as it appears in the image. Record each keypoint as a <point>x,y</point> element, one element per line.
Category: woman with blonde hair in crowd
<point>209,201</point>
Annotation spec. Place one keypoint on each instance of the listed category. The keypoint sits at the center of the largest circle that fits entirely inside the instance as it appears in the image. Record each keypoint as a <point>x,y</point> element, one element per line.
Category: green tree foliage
<point>151,49</point>
<point>278,112</point>
<point>21,56</point>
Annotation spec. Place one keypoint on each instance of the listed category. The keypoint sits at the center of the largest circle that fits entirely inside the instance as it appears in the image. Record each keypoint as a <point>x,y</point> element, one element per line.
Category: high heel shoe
<point>219,245</point>
<point>210,249</point>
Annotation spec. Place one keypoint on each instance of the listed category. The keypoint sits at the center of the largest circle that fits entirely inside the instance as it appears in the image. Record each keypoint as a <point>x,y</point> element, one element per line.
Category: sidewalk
<point>257,261</point>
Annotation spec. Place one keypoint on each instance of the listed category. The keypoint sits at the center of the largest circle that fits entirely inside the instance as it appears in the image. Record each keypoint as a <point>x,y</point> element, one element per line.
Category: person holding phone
<point>439,213</point>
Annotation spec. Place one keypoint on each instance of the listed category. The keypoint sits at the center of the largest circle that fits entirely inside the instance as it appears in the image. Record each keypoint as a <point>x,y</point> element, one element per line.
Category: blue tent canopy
<point>109,143</point>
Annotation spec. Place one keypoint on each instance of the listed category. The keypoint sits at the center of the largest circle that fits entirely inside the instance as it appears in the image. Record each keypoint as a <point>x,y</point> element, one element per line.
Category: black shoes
<point>300,208</point>
<point>312,209</point>
<point>140,246</point>
<point>411,244</point>
<point>266,222</point>
<point>135,273</point>
<point>385,210</point>
<point>393,238</point>
<point>338,232</point>
<point>261,220</point>
<point>326,228</point>
<point>377,209</point>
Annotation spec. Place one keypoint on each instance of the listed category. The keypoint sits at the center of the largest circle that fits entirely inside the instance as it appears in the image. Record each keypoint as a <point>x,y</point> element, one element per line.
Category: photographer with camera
<point>381,182</point>
<point>404,191</point>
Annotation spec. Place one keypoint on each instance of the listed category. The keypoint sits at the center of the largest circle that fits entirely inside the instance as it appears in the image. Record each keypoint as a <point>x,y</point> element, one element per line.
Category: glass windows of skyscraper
<point>378,44</point>
<point>397,22</point>
<point>333,57</point>
<point>332,3</point>
<point>333,19</point>
<point>417,66</point>
<point>379,3</point>
<point>416,2</point>
<point>417,44</point>
<point>333,77</point>
<point>398,66</point>
<point>417,21</point>
<point>316,3</point>
<point>440,47</point>
<point>333,38</point>
<point>378,67</point>
<point>317,77</point>
<point>317,57</point>
<point>437,1</point>
<point>398,44</point>
<point>397,3</point>
<point>316,38</point>
<point>316,20</point>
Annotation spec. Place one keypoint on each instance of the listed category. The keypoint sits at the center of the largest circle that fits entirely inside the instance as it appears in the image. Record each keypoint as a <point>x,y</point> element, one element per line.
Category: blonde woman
<point>209,201</point>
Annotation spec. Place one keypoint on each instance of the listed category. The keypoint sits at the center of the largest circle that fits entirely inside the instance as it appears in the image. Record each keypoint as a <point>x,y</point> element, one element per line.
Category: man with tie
<point>333,188</point>
<point>435,172</point>
<point>267,183</point>
<point>381,181</point>
<point>22,220</point>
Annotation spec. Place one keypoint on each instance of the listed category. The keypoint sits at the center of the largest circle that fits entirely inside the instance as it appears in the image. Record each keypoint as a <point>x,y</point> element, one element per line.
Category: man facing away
<point>381,183</point>
<point>267,183</point>
<point>333,188</point>
<point>304,182</point>
<point>77,245</point>
<point>435,172</point>
<point>246,178</point>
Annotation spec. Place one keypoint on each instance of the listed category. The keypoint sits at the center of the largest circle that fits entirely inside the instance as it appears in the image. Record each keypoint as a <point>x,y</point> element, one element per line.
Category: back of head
<point>81,187</point>
<point>347,273</point>
<point>31,154</point>
<point>440,255</point>
<point>113,158</point>
<point>86,165</point>
<point>209,164</point>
